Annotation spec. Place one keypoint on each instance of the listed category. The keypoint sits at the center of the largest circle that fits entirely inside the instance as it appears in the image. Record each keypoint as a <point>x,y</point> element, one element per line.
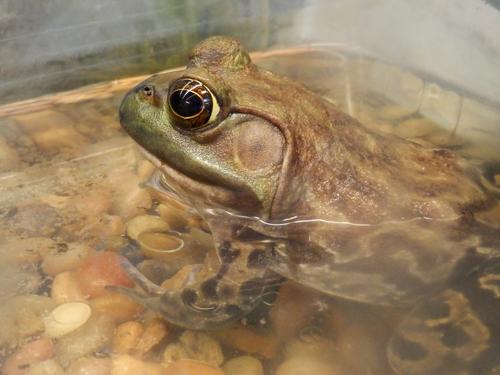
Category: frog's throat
<point>225,288</point>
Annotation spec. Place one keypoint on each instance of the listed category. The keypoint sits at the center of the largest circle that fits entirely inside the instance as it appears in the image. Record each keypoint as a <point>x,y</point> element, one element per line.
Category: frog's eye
<point>192,103</point>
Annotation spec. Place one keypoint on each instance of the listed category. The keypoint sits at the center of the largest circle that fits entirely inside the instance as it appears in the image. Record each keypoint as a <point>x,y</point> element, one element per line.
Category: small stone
<point>307,366</point>
<point>154,332</point>
<point>246,340</point>
<point>127,336</point>
<point>28,250</point>
<point>90,366</point>
<point>195,345</point>
<point>415,127</point>
<point>395,112</point>
<point>244,365</point>
<point>127,365</point>
<point>48,367</point>
<point>190,367</point>
<point>66,288</point>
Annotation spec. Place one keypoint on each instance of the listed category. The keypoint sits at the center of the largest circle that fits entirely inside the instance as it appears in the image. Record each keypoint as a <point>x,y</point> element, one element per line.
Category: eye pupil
<point>191,103</point>
<point>185,103</point>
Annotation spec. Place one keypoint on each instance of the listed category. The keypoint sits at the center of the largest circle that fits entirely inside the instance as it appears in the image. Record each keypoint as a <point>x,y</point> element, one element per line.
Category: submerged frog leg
<point>456,332</point>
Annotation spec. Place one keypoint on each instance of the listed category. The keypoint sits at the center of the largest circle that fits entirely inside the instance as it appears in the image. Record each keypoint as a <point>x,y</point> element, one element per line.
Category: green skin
<point>369,217</point>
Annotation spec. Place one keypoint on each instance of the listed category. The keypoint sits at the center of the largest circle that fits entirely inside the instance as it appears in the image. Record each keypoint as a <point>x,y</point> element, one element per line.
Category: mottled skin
<point>291,186</point>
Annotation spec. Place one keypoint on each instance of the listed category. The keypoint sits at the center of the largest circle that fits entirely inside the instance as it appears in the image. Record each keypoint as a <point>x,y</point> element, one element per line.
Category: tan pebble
<point>497,179</point>
<point>164,246</point>
<point>37,219</point>
<point>246,340</point>
<point>195,345</point>
<point>177,218</point>
<point>130,199</point>
<point>95,334</point>
<point>58,202</point>
<point>66,318</point>
<point>117,305</point>
<point>9,159</point>
<point>21,317</point>
<point>145,169</point>
<point>177,280</point>
<point>66,288</point>
<point>145,223</point>
<point>17,279</point>
<point>190,367</point>
<point>31,353</point>
<point>292,310</point>
<point>91,204</point>
<point>154,332</point>
<point>66,257</point>
<point>313,346</point>
<point>28,250</point>
<point>307,366</point>
<point>48,367</point>
<point>126,337</point>
<point>395,111</point>
<point>203,238</point>
<point>90,366</point>
<point>415,127</point>
<point>106,230</point>
<point>127,365</point>
<point>58,139</point>
<point>244,365</point>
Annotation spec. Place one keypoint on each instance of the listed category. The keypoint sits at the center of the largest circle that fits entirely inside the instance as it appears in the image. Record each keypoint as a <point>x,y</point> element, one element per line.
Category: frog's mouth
<point>201,193</point>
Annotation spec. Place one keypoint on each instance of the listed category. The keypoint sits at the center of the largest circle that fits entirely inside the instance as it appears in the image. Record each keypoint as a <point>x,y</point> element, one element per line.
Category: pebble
<point>65,257</point>
<point>36,219</point>
<point>246,340</point>
<point>21,317</point>
<point>395,112</point>
<point>90,366</point>
<point>18,280</point>
<point>86,340</point>
<point>194,345</point>
<point>307,366</point>
<point>155,330</point>
<point>66,288</point>
<point>31,353</point>
<point>293,309</point>
<point>9,159</point>
<point>48,367</point>
<point>66,318</point>
<point>127,365</point>
<point>116,305</point>
<point>244,365</point>
<point>190,367</point>
<point>415,127</point>
<point>145,223</point>
<point>127,336</point>
<point>27,250</point>
<point>129,199</point>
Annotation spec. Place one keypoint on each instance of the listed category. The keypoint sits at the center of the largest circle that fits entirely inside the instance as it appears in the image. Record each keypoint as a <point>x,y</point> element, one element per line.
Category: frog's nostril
<point>147,90</point>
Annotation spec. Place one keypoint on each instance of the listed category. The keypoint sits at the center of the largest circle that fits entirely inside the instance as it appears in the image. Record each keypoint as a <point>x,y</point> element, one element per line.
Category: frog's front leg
<point>227,286</point>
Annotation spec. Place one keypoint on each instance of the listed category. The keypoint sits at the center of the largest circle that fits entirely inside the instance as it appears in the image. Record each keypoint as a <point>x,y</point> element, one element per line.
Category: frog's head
<point>213,128</point>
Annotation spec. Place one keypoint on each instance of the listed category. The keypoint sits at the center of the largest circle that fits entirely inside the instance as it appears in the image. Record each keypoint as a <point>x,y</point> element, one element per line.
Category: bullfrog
<point>292,187</point>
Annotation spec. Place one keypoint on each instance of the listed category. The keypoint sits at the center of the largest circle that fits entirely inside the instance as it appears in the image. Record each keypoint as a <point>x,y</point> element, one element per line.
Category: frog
<point>291,187</point>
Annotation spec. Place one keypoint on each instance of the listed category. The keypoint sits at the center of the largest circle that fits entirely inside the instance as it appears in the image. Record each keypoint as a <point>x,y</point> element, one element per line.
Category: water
<point>70,174</point>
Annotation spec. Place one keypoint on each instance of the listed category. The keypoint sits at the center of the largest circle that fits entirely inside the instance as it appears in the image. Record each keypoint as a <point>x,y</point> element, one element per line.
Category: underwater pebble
<point>307,366</point>
<point>90,366</point>
<point>66,318</point>
<point>177,218</point>
<point>100,270</point>
<point>127,336</point>
<point>129,199</point>
<point>96,333</point>
<point>9,159</point>
<point>145,169</point>
<point>21,317</point>
<point>31,353</point>
<point>27,250</point>
<point>145,223</point>
<point>66,288</point>
<point>127,365</point>
<point>163,246</point>
<point>194,345</point>
<point>91,204</point>
<point>17,280</point>
<point>48,367</point>
<point>191,367</point>
<point>246,340</point>
<point>293,309</point>
<point>65,257</point>
<point>117,305</point>
<point>244,365</point>
<point>155,330</point>
<point>156,271</point>
<point>36,219</point>
<point>394,112</point>
<point>313,346</point>
<point>415,127</point>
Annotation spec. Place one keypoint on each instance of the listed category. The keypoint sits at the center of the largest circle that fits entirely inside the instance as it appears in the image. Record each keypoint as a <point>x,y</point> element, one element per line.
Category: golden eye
<point>192,103</point>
